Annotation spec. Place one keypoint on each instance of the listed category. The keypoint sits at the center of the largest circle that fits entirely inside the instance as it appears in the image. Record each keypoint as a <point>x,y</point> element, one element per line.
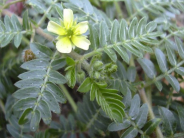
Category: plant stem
<point>25,40</point>
<point>150,111</point>
<point>69,98</point>
<point>10,3</point>
<point>169,99</point>
<point>118,9</point>
<point>2,106</point>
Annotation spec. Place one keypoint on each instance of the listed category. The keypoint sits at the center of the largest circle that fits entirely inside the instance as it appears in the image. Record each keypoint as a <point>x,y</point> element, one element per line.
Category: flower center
<point>69,33</point>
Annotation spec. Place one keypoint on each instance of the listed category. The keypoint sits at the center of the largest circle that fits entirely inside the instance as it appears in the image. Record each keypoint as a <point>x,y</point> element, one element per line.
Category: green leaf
<point>122,52</point>
<point>135,107</point>
<point>130,133</point>
<point>151,26</point>
<point>162,62</point>
<point>141,26</point>
<point>151,125</point>
<point>70,61</point>
<point>169,121</point>
<point>93,92</point>
<point>26,92</point>
<point>24,104</point>
<point>132,29</point>
<point>127,99</point>
<point>88,8</point>
<point>132,50</point>
<point>111,54</point>
<point>16,24</point>
<point>119,126</point>
<point>131,73</point>
<point>123,30</point>
<point>85,86</point>
<point>148,67</point>
<point>38,5</point>
<point>29,83</point>
<point>180,47</point>
<point>12,131</point>
<point>174,82</point>
<point>159,85</point>
<point>59,11</point>
<point>58,63</point>
<point>114,31</point>
<point>23,118</point>
<point>110,102</point>
<point>180,70</point>
<point>121,71</point>
<point>143,114</point>
<point>8,24</point>
<point>44,110</point>
<point>94,36</point>
<point>102,34</point>
<point>141,46</point>
<point>33,74</point>
<point>171,55</point>
<point>17,27</point>
<point>51,101</point>
<point>56,77</point>
<point>56,91</point>
<point>17,39</point>
<point>35,120</point>
<point>71,77</point>
<point>36,64</point>
<point>180,111</point>
<point>41,51</point>
<point>25,23</point>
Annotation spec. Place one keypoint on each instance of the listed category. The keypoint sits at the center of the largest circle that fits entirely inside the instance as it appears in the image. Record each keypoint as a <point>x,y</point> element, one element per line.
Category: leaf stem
<point>45,81</point>
<point>12,2</point>
<point>69,98</point>
<point>45,14</point>
<point>163,75</point>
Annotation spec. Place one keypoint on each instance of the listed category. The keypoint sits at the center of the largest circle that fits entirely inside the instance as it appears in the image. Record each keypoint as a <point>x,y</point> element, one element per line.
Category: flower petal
<point>81,28</point>
<point>68,18</point>
<point>64,45</point>
<point>56,28</point>
<point>81,42</point>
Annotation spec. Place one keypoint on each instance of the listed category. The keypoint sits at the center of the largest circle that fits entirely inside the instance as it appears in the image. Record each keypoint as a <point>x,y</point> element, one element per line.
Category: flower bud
<point>113,68</point>
<point>97,65</point>
<point>80,76</point>
<point>96,75</point>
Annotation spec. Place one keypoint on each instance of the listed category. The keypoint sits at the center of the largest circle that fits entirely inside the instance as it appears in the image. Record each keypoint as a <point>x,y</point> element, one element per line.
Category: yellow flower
<point>70,33</point>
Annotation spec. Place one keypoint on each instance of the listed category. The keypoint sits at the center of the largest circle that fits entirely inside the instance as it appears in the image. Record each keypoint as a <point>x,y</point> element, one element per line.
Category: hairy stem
<point>150,111</point>
<point>69,98</point>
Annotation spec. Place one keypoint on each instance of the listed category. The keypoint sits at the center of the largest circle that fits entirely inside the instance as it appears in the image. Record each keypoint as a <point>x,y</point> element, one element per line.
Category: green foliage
<point>130,79</point>
<point>135,120</point>
<point>12,29</point>
<point>38,94</point>
<point>108,99</point>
